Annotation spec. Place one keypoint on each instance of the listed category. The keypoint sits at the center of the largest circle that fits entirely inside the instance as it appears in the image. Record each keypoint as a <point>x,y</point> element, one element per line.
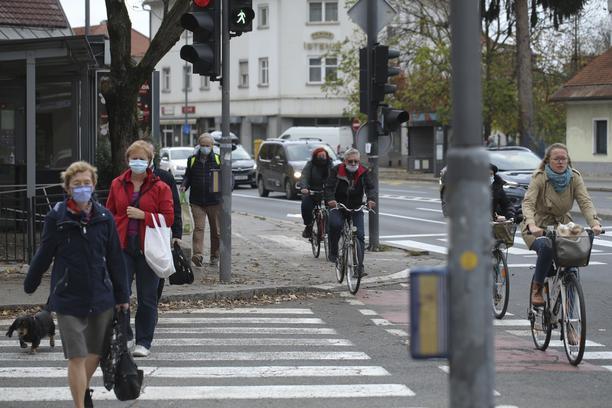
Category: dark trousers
<point>336,222</point>
<point>544,249</point>
<point>147,283</point>
<point>308,204</point>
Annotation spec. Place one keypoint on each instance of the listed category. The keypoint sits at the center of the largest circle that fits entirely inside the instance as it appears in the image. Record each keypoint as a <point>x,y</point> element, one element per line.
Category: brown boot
<point>536,294</point>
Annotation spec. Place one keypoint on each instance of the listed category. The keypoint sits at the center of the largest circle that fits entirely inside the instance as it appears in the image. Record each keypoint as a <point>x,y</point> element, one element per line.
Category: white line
<point>527,265</point>
<point>151,393</point>
<point>412,218</point>
<point>410,244</point>
<point>411,236</point>
<point>211,356</point>
<point>512,250</point>
<point>521,333</point>
<point>609,368</point>
<point>241,320</point>
<point>397,332</point>
<point>278,200</point>
<point>511,322</point>
<point>293,243</point>
<point>245,330</point>
<point>250,341</point>
<point>587,343</point>
<point>404,198</point>
<point>382,322</point>
<point>367,312</point>
<point>445,368</point>
<point>429,209</point>
<point>355,302</point>
<point>294,215</point>
<point>243,310</point>
<point>597,355</point>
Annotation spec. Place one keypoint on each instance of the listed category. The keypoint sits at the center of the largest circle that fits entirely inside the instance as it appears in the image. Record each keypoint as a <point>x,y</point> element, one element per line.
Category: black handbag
<point>184,273</point>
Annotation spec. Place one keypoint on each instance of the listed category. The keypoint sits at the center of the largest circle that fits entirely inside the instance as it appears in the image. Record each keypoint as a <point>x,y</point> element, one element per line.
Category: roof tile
<point>594,81</point>
<point>33,13</point>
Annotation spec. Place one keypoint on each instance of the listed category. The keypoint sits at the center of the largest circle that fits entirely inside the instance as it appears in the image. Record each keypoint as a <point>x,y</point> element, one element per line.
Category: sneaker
<point>197,260</point>
<point>214,261</point>
<point>572,336</point>
<point>88,403</point>
<point>307,231</point>
<point>141,351</point>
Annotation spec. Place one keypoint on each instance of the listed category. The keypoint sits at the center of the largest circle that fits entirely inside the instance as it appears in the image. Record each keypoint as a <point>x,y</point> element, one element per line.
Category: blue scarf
<point>559,181</point>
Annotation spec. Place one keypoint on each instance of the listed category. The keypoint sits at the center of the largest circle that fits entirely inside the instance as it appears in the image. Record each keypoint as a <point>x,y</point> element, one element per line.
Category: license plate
<point>241,177</point>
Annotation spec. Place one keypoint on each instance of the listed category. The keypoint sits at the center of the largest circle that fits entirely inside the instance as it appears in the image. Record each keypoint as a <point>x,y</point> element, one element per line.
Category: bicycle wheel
<point>315,242</point>
<point>573,320</point>
<point>501,284</point>
<point>539,317</point>
<point>353,275</point>
<point>323,234</point>
<point>340,261</point>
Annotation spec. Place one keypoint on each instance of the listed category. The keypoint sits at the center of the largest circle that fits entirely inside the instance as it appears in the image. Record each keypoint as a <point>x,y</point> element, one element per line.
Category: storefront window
<point>54,125</point>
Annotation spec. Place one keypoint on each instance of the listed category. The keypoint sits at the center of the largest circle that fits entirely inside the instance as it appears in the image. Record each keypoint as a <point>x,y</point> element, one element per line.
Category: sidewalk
<point>269,257</point>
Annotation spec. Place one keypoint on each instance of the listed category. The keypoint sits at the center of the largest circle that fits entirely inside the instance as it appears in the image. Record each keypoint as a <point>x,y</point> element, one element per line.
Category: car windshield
<point>178,154</point>
<point>303,152</point>
<point>240,154</point>
<point>510,160</point>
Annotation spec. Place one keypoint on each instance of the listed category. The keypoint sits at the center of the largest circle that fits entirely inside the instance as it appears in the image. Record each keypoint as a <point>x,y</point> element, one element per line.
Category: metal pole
<point>225,264</point>
<point>372,35</point>
<point>469,258</point>
<point>183,131</point>
<point>87,23</point>
<point>31,148</point>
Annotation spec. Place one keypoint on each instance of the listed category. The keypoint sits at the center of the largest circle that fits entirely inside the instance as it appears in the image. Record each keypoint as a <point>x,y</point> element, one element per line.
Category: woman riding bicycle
<point>347,184</point>
<point>553,188</point>
<point>501,208</point>
<point>314,174</point>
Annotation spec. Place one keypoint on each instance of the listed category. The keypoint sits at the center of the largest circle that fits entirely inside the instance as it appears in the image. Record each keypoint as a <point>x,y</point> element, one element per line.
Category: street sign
<point>188,109</point>
<point>359,14</point>
<point>186,128</point>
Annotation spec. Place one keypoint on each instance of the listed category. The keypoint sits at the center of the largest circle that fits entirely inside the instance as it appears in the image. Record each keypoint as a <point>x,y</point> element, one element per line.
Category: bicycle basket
<point>573,250</point>
<point>504,232</point>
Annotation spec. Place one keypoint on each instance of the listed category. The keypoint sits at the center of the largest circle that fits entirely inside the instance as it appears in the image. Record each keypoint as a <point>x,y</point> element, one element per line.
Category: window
<point>263,72</point>
<point>166,79</point>
<point>600,142</point>
<point>204,83</point>
<point>187,78</point>
<point>243,72</point>
<point>323,69</point>
<point>262,16</point>
<point>323,11</point>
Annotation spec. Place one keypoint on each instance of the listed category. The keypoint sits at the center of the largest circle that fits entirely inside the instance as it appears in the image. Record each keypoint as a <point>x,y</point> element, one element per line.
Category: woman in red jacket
<point>135,197</point>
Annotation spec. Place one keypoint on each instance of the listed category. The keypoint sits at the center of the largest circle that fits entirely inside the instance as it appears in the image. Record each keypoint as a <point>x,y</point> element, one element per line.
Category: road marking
<point>212,356</point>
<point>294,215</point>
<point>429,209</point>
<point>512,250</point>
<point>405,198</point>
<point>243,310</point>
<point>397,332</point>
<point>151,393</point>
<point>294,243</point>
<point>213,372</point>
<point>240,320</point>
<point>411,236</point>
<point>412,218</point>
<point>511,322</point>
<point>587,343</point>
<point>278,200</point>
<point>367,312</point>
<point>410,244</point>
<point>355,302</point>
<point>597,355</point>
<point>382,322</point>
<point>609,368</point>
<point>528,265</point>
<point>246,330</point>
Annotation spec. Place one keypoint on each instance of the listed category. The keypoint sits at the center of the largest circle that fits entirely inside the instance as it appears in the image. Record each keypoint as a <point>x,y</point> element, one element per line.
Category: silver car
<point>174,160</point>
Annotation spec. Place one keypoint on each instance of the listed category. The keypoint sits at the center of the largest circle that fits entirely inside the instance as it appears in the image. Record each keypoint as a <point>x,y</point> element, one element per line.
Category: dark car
<point>515,166</point>
<point>280,163</point>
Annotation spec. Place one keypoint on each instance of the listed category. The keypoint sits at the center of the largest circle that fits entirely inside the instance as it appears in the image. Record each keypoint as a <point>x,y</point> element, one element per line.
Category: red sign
<point>188,109</point>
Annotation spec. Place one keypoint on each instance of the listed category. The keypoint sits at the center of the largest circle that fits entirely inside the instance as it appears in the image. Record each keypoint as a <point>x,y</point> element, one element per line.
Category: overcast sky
<point>75,11</point>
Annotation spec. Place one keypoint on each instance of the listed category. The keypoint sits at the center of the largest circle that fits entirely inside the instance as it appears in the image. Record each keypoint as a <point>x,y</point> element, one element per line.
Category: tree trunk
<point>525,88</point>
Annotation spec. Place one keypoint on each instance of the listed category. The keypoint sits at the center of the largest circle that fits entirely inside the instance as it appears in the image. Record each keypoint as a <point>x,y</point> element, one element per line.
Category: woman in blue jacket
<point>88,279</point>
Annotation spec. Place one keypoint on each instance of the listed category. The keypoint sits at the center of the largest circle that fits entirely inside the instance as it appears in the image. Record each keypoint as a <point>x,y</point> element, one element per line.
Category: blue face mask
<point>82,194</point>
<point>138,166</point>
<point>205,150</point>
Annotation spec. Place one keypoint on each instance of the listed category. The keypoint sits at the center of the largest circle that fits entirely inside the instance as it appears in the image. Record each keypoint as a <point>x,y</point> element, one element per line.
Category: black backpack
<point>183,274</point>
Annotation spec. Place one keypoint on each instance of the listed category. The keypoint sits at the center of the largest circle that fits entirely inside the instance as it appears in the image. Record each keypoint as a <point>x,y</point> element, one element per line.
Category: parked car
<point>515,166</point>
<point>174,160</point>
<point>280,163</point>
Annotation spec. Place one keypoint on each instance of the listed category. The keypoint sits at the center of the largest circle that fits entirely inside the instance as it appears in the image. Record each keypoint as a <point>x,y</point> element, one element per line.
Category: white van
<point>339,138</point>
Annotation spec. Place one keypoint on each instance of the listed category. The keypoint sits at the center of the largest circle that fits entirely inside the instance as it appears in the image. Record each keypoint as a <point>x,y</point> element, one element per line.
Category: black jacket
<point>314,177</point>
<point>501,205</point>
<point>349,188</point>
<point>89,275</point>
<point>177,225</point>
<point>203,177</point>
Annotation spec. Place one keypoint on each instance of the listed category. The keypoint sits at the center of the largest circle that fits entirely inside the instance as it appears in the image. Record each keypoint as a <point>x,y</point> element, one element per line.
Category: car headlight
<point>254,166</point>
<point>297,174</point>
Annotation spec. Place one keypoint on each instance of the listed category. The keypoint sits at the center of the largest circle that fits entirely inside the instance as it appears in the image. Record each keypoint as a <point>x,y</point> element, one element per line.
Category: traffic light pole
<point>469,198</point>
<point>225,263</point>
<point>373,228</point>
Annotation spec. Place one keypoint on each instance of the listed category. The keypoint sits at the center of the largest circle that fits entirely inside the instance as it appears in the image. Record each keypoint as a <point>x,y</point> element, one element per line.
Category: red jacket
<point>155,198</point>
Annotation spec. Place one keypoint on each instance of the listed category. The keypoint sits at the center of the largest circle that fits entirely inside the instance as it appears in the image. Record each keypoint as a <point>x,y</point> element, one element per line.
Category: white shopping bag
<point>158,249</point>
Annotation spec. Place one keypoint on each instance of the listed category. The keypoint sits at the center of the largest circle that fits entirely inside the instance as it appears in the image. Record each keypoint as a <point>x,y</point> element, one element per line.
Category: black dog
<point>32,329</point>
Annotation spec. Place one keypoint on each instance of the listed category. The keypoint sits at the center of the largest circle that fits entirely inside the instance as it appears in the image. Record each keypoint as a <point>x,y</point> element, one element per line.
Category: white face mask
<point>352,167</point>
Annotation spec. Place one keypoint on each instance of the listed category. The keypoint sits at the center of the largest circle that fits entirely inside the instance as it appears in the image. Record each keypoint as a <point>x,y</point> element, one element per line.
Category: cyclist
<point>347,184</point>
<point>553,188</point>
<point>501,208</point>
<point>314,174</point>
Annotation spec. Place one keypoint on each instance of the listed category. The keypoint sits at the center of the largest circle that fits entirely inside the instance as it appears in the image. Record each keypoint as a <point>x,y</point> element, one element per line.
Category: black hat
<point>493,168</point>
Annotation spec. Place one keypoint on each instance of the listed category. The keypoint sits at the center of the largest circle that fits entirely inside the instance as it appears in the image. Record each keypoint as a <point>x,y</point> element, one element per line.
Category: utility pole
<point>372,35</point>
<point>471,330</point>
<point>225,263</point>
<point>186,131</point>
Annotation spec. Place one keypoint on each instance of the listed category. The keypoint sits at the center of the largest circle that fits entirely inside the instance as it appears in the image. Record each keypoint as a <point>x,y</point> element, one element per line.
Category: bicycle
<point>349,249</point>
<point>318,227</point>
<point>503,232</point>
<point>564,304</point>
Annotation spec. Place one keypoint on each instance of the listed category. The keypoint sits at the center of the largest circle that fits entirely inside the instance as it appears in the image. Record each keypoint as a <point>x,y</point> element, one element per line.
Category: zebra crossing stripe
<point>213,372</point>
<point>243,310</point>
<point>597,355</point>
<point>511,322</point>
<point>212,356</point>
<point>239,320</point>
<point>246,330</point>
<point>553,343</point>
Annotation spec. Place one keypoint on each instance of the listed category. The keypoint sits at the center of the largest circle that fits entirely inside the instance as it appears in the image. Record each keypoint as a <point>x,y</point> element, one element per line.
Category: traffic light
<point>241,16</point>
<point>382,72</point>
<point>363,80</point>
<point>391,119</point>
<point>204,21</point>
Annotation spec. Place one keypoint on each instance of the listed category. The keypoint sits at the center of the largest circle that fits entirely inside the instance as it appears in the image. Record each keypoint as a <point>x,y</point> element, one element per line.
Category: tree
<point>126,77</point>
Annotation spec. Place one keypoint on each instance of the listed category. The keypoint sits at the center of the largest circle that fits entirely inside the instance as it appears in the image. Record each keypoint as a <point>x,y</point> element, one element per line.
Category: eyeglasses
<point>559,160</point>
<point>352,162</point>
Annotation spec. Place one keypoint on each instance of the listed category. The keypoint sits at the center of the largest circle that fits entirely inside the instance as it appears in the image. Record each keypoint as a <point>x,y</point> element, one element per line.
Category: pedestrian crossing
<point>273,354</point>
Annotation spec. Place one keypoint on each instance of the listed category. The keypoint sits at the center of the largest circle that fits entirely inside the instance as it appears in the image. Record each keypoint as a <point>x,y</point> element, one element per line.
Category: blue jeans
<point>307,207</point>
<point>544,249</point>
<point>147,283</point>
<point>336,222</point>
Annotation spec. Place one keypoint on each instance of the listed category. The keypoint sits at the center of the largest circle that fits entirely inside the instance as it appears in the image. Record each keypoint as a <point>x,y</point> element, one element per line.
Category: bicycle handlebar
<point>340,206</point>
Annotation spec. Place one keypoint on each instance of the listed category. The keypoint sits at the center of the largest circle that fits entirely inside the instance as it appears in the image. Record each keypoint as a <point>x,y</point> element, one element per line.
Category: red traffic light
<point>202,3</point>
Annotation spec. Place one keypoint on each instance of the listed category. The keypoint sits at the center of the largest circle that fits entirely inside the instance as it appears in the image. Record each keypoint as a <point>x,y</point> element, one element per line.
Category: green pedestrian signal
<point>241,16</point>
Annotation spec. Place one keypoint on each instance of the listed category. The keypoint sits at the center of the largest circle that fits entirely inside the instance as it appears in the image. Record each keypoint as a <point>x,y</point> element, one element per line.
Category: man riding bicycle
<point>314,174</point>
<point>347,184</point>
<point>501,206</point>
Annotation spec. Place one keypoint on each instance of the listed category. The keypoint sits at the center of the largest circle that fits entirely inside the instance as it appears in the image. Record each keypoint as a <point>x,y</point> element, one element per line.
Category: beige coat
<point>543,206</point>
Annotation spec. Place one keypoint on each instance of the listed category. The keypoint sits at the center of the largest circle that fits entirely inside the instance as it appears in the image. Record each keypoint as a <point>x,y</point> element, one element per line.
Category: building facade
<point>276,75</point>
